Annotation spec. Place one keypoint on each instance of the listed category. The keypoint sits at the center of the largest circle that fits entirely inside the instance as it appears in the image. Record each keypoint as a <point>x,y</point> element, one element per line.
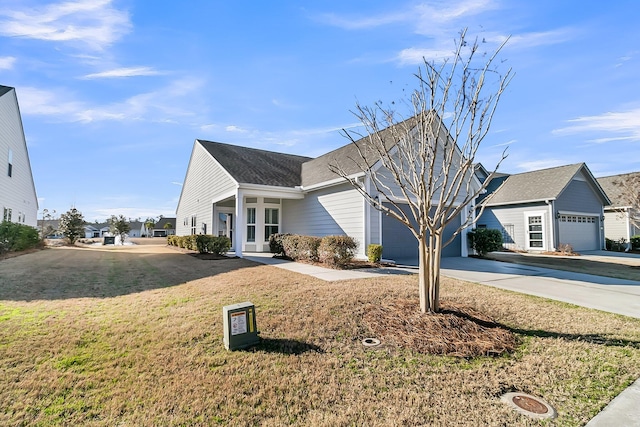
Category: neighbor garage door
<point>581,232</point>
<point>398,243</point>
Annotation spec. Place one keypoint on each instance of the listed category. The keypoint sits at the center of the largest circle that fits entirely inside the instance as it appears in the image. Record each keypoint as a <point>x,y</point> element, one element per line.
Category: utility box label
<point>239,323</point>
<point>240,329</point>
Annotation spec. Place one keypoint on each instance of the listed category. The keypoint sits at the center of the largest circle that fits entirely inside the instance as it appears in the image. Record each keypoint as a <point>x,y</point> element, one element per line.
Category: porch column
<point>238,236</point>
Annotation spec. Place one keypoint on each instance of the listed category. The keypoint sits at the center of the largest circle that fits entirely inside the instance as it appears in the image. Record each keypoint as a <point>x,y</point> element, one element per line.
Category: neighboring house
<point>136,229</point>
<point>248,194</point>
<point>49,228</point>
<point>18,199</point>
<point>164,227</point>
<point>540,210</point>
<point>617,224</point>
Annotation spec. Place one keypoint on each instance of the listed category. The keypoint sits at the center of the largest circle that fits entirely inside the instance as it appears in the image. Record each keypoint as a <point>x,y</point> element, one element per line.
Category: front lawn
<point>134,337</point>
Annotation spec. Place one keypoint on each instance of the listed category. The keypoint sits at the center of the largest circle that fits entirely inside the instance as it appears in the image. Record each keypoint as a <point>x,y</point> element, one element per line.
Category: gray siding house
<point>617,215</point>
<point>249,194</point>
<point>540,210</point>
<point>18,199</point>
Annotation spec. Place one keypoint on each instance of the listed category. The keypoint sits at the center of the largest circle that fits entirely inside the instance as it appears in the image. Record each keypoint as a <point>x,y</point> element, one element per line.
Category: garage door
<point>581,232</point>
<point>399,244</point>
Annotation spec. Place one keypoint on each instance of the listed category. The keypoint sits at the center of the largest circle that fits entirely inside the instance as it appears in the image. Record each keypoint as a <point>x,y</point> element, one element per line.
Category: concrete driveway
<point>602,293</point>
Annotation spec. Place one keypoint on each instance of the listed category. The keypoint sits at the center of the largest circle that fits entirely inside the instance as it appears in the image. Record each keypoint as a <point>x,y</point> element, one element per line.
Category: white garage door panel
<point>581,232</point>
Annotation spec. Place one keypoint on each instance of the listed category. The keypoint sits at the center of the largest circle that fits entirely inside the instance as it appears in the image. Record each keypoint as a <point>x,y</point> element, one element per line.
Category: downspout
<point>553,223</point>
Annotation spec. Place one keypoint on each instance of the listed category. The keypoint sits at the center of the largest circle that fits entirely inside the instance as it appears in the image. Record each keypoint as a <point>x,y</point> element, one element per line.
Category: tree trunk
<point>429,272</point>
<point>423,276</point>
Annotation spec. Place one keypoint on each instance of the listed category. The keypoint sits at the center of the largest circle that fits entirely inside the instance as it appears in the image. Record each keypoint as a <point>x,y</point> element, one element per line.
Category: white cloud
<point>617,126</point>
<point>540,164</point>
<point>96,23</point>
<point>233,128</point>
<point>6,62</point>
<point>164,105</point>
<point>123,72</point>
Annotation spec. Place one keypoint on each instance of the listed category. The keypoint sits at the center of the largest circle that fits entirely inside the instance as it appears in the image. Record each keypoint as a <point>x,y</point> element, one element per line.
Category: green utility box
<point>240,330</point>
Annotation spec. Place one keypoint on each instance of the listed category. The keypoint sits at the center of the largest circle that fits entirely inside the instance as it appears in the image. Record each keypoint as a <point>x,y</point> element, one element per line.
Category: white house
<point>248,194</point>
<point>617,215</point>
<point>18,199</point>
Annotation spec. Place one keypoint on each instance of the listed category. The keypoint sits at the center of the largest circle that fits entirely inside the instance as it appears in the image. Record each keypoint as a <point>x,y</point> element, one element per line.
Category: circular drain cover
<point>370,342</point>
<point>531,406</point>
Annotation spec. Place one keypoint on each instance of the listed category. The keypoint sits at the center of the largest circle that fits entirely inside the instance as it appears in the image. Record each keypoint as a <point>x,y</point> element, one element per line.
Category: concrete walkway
<point>601,293</point>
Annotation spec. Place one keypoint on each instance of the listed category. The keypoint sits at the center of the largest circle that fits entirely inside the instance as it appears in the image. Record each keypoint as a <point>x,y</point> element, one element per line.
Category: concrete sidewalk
<point>601,293</point>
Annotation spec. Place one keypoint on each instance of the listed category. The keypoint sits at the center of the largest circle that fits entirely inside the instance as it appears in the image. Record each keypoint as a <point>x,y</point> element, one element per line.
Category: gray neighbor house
<point>541,210</point>
<point>248,194</point>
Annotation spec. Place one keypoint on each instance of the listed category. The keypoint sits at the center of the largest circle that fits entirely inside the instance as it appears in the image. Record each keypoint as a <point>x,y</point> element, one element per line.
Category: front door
<point>225,225</point>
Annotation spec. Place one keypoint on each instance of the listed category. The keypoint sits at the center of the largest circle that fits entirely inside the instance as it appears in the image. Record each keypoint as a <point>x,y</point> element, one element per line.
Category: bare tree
<point>419,169</point>
<point>628,187</point>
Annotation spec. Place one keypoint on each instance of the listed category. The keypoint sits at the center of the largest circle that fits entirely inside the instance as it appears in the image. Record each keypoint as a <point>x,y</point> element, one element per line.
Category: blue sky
<point>114,93</point>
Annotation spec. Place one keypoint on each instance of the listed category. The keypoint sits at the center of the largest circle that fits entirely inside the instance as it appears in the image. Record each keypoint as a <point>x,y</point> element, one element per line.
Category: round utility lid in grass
<point>531,406</point>
<point>370,342</point>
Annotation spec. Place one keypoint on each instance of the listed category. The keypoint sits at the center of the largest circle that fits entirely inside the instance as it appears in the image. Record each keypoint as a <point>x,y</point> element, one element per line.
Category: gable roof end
<point>545,184</point>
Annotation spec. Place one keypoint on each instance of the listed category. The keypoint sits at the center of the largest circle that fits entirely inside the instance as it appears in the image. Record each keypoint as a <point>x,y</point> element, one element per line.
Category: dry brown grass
<point>134,337</point>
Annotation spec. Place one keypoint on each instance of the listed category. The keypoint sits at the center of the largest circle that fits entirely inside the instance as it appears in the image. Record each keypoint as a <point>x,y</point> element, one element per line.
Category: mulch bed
<point>457,330</point>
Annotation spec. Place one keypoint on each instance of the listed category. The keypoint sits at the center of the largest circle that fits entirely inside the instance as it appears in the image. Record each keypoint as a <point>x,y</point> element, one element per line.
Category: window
<point>7,214</point>
<point>535,232</point>
<point>251,224</point>
<point>271,223</point>
<point>193,224</point>
<point>10,168</point>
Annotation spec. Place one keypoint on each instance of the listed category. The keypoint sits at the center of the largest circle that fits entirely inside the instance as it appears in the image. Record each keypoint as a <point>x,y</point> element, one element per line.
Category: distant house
<point>136,229</point>
<point>18,199</point>
<point>543,209</point>
<point>249,194</point>
<point>164,227</point>
<point>617,224</point>
<point>49,228</point>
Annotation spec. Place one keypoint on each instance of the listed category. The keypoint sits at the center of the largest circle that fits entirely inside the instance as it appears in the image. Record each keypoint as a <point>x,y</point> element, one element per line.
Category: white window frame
<point>270,224</point>
<point>543,221</point>
<point>251,224</point>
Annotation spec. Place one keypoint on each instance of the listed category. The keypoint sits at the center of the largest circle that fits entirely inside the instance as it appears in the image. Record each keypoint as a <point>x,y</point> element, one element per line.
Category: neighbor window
<point>251,224</point>
<point>10,168</point>
<point>271,223</point>
<point>535,232</point>
<point>193,224</point>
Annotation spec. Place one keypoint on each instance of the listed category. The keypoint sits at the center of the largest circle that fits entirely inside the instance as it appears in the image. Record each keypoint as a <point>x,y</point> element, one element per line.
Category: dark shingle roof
<point>161,222</point>
<point>4,89</point>
<point>253,166</point>
<point>317,170</point>
<point>545,184</point>
<point>613,191</point>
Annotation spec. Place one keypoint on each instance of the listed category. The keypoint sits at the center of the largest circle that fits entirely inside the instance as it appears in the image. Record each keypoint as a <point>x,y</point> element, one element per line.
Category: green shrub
<point>374,252</point>
<point>635,242</point>
<point>301,248</point>
<point>275,243</point>
<point>616,245</point>
<point>207,243</point>
<point>17,237</point>
<point>173,240</point>
<point>337,250</point>
<point>485,240</point>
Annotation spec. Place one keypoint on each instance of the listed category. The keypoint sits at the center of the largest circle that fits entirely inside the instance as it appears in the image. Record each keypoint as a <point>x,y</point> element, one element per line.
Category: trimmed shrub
<point>485,240</point>
<point>219,245</point>
<point>17,237</point>
<point>301,248</point>
<point>337,250</point>
<point>616,245</point>
<point>635,242</point>
<point>275,243</point>
<point>374,252</point>
<point>173,240</point>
